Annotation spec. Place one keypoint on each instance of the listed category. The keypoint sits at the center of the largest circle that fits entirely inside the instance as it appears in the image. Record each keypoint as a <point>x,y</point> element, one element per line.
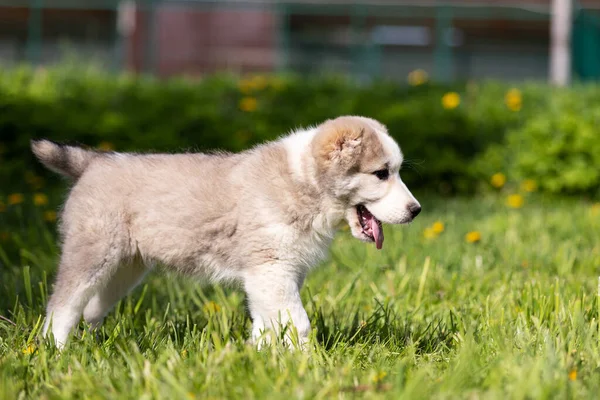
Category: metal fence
<point>448,39</point>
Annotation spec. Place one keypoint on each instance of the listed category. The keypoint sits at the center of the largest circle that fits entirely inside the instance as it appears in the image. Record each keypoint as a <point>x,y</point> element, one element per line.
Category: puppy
<point>262,217</point>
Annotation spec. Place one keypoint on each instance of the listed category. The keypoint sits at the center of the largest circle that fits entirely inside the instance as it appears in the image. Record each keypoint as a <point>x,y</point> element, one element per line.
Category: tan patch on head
<point>350,142</point>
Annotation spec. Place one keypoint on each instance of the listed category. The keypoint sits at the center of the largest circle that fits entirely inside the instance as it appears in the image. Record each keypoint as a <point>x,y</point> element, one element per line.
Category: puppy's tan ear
<point>338,141</point>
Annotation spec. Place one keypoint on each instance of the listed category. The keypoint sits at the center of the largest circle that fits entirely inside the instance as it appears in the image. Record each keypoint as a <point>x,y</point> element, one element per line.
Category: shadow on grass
<point>384,326</point>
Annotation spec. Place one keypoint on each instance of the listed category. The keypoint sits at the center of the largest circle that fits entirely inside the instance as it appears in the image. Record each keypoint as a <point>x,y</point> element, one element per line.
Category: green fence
<point>586,45</point>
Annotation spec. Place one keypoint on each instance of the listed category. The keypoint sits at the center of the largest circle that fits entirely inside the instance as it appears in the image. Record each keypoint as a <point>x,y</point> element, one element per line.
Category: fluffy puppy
<point>262,217</point>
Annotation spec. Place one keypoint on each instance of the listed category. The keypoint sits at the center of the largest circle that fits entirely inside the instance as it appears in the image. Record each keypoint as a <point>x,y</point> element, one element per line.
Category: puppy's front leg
<point>274,299</point>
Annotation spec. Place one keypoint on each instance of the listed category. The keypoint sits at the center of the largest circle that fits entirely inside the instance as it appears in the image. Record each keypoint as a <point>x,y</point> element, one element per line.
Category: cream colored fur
<point>262,217</point>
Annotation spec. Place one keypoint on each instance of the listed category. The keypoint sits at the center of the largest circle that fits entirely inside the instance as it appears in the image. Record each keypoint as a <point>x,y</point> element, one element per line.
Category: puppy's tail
<point>66,160</point>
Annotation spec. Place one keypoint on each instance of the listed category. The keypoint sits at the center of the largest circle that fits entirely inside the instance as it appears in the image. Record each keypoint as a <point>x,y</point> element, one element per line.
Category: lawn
<point>490,302</point>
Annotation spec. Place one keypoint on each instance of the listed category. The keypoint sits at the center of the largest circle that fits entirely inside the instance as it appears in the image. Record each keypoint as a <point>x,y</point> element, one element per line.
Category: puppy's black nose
<point>414,209</point>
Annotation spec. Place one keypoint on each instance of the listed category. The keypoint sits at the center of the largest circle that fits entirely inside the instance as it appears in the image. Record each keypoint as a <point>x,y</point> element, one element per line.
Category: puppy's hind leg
<point>126,278</point>
<point>84,269</point>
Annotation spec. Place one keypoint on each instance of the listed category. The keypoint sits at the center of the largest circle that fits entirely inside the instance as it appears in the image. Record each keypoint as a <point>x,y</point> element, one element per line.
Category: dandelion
<point>40,199</point>
<point>529,185</point>
<point>473,237</point>
<point>438,227</point>
<point>106,146</point>
<point>255,83</point>
<point>248,104</point>
<point>417,77</point>
<point>429,233</point>
<point>49,216</point>
<point>211,307</point>
<point>513,99</point>
<point>498,180</point>
<point>29,349</point>
<point>573,375</point>
<point>515,201</point>
<point>450,100</point>
<point>15,198</point>
<point>379,376</point>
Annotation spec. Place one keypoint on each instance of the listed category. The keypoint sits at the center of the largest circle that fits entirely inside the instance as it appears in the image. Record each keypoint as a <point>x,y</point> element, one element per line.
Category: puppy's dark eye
<point>382,174</point>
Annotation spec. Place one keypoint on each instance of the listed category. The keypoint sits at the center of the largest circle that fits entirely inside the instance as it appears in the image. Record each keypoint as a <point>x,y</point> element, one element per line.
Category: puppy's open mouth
<point>371,226</point>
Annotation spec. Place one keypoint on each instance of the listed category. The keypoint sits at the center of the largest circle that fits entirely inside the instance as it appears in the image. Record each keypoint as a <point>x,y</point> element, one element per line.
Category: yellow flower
<point>450,100</point>
<point>498,180</point>
<point>529,185</point>
<point>473,237</point>
<point>573,375</point>
<point>595,209</point>
<point>248,104</point>
<point>378,377</point>
<point>417,77</point>
<point>40,199</point>
<point>248,85</point>
<point>211,307</point>
<point>429,233</point>
<point>437,227</point>
<point>515,201</point>
<point>513,99</point>
<point>29,349</point>
<point>49,216</point>
<point>106,146</point>
<point>15,198</point>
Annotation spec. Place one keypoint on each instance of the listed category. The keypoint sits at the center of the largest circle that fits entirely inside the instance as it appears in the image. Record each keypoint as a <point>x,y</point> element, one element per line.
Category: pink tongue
<point>377,233</point>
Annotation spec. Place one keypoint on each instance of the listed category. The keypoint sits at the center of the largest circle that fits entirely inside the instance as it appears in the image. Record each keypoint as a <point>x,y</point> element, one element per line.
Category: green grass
<point>512,316</point>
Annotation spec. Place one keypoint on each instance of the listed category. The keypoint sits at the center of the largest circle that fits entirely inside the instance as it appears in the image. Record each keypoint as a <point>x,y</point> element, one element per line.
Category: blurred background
<point>469,88</point>
<point>451,39</point>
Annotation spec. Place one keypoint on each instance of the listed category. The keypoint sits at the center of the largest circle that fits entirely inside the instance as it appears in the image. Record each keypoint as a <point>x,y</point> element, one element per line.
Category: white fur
<point>297,145</point>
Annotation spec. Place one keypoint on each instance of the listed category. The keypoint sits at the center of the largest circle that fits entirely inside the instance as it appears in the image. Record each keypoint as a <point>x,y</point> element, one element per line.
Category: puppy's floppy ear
<point>338,141</point>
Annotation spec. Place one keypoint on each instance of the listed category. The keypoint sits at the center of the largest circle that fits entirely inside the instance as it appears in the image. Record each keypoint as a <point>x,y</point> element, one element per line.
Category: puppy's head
<point>358,164</point>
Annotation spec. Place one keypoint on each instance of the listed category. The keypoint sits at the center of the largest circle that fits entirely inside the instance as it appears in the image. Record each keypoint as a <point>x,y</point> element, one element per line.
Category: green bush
<point>557,147</point>
<point>450,142</point>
